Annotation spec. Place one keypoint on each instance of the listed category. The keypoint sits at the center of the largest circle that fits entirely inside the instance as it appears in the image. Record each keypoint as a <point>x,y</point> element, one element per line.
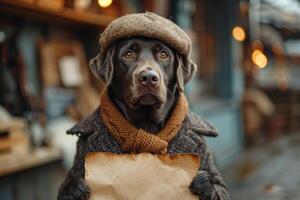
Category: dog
<point>143,85</point>
<point>144,77</point>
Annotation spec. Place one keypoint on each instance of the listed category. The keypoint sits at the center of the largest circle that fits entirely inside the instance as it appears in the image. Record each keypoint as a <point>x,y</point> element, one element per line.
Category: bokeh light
<point>104,3</point>
<point>238,33</point>
<point>259,59</point>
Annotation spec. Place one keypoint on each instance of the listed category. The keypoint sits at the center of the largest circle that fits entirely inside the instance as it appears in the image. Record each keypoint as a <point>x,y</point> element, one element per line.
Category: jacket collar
<point>93,122</point>
<point>200,126</point>
<point>88,125</point>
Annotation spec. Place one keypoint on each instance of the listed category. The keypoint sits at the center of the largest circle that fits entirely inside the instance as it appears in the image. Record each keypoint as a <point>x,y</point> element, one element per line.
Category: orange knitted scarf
<point>136,140</point>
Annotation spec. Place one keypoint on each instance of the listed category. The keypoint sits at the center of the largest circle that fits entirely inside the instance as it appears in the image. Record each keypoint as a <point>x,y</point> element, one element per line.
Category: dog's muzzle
<point>147,87</point>
<point>148,78</point>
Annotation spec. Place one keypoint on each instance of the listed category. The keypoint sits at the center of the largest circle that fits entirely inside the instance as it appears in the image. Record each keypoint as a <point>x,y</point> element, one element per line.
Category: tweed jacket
<point>95,137</point>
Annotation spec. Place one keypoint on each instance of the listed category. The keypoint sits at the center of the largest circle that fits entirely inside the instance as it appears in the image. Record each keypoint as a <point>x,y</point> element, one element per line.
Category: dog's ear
<point>185,71</point>
<point>103,66</point>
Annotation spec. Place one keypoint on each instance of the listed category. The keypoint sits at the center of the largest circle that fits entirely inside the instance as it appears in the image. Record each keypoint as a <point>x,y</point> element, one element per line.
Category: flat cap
<point>148,25</point>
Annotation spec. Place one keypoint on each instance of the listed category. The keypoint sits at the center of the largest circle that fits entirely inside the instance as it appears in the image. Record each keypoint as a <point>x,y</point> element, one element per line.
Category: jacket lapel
<point>189,138</point>
<point>201,127</point>
<point>99,138</point>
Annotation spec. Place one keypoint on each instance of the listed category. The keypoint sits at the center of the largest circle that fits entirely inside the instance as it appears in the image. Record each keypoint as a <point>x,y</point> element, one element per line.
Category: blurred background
<point>247,85</point>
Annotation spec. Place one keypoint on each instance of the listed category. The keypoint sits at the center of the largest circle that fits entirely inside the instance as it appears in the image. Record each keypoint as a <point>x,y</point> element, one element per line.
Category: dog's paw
<point>202,186</point>
<point>74,189</point>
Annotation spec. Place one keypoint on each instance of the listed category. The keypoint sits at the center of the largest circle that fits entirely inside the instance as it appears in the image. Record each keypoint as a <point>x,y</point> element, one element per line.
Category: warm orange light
<point>259,58</point>
<point>104,3</point>
<point>238,33</point>
<point>257,44</point>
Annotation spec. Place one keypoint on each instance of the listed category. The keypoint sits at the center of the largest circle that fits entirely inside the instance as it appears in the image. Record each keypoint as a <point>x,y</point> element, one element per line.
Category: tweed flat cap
<point>148,25</point>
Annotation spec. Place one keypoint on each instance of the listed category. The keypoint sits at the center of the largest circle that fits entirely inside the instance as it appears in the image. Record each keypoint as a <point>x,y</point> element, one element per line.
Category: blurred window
<point>212,23</point>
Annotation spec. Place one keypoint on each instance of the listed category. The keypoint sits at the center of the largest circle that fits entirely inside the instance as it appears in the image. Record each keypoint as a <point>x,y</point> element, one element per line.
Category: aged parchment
<point>140,176</point>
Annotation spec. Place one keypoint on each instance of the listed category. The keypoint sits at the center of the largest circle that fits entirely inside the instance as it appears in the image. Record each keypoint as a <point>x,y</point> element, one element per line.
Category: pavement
<point>267,172</point>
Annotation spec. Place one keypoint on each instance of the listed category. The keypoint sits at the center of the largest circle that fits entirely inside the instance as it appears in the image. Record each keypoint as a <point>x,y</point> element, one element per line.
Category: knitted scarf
<point>135,140</point>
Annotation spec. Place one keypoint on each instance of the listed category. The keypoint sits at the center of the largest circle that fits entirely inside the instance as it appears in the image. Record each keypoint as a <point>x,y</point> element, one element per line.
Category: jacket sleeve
<point>207,164</point>
<point>78,169</point>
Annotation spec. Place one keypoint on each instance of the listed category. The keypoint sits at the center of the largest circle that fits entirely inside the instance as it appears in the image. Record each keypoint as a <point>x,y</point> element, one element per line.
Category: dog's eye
<point>128,55</point>
<point>163,55</point>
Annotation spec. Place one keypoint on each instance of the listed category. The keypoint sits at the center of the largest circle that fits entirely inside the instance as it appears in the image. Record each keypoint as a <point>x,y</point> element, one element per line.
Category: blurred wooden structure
<point>11,163</point>
<point>276,32</point>
<point>69,16</point>
<point>14,138</point>
<point>37,173</point>
<point>31,175</point>
<point>287,104</point>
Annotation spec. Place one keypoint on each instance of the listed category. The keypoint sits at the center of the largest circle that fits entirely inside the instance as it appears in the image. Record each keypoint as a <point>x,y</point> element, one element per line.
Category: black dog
<point>144,82</point>
<point>143,85</point>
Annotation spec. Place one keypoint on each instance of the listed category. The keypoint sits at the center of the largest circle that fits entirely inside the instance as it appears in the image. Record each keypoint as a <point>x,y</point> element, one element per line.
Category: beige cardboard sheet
<point>140,176</point>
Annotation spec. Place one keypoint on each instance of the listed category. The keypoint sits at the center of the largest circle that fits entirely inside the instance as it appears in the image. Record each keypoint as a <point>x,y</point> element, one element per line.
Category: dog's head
<point>143,71</point>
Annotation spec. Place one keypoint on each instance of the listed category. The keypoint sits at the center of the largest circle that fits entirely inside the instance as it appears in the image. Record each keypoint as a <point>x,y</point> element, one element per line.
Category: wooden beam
<point>66,15</point>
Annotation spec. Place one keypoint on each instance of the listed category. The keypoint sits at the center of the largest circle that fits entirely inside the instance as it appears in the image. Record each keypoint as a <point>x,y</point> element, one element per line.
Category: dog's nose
<point>148,78</point>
